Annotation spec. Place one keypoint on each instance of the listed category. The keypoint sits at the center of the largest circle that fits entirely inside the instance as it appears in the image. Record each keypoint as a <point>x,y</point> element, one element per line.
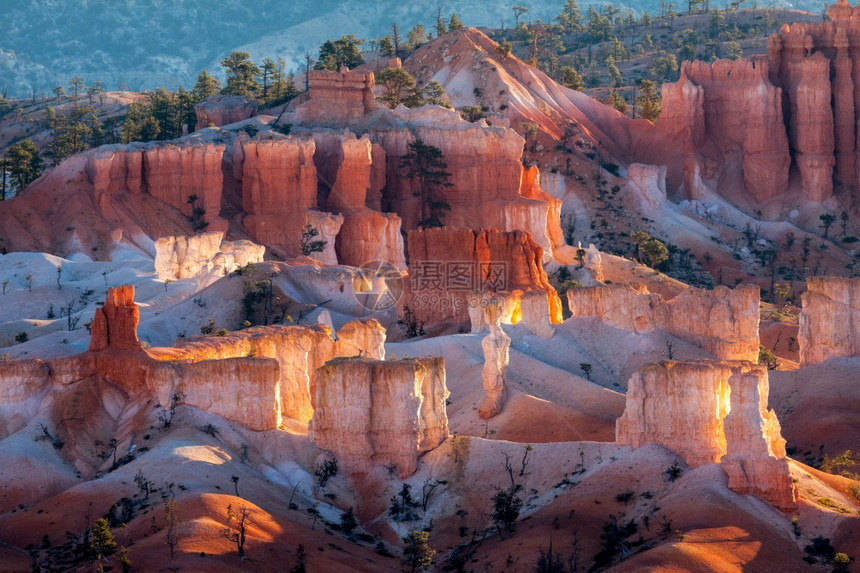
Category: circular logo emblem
<point>378,285</point>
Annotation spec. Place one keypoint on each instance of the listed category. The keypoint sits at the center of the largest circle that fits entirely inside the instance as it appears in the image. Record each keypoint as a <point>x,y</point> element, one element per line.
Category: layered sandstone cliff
<point>723,322</point>
<point>374,413</point>
<point>346,177</point>
<point>730,111</point>
<point>801,104</point>
<point>830,319</point>
<point>272,366</point>
<point>708,412</point>
<point>337,98</point>
<point>489,187</point>
<point>171,173</point>
<point>454,272</point>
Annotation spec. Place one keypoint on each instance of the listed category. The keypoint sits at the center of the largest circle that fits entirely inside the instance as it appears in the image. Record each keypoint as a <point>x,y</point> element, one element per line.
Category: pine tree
<point>241,75</point>
<point>454,23</point>
<point>207,85</point>
<point>648,101</point>
<point>398,83</point>
<point>570,17</point>
<point>386,46</point>
<point>23,163</point>
<point>424,164</point>
<point>102,542</point>
<point>343,52</point>
<point>617,101</point>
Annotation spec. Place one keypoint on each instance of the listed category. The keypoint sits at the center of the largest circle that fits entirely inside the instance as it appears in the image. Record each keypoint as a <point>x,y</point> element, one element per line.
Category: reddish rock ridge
<point>299,351</point>
<point>374,413</point>
<point>723,322</point>
<point>346,175</point>
<point>830,319</point>
<point>171,173</point>
<point>489,186</point>
<point>450,269</point>
<point>730,112</point>
<point>279,194</point>
<point>219,110</point>
<point>337,98</point>
<point>803,97</point>
<point>707,412</point>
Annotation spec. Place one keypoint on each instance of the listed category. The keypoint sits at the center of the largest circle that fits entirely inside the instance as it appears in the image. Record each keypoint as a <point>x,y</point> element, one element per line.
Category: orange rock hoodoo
<point>709,412</point>
<point>830,320</point>
<point>801,103</point>
<point>371,412</point>
<point>454,272</point>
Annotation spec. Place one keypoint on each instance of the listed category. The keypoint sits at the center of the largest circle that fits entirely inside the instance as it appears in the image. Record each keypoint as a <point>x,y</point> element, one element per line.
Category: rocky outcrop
<point>730,112</point>
<point>176,173</point>
<point>346,174</point>
<point>830,319</point>
<point>708,412</point>
<point>337,98</point>
<point>202,255</point>
<point>799,104</point>
<point>496,345</point>
<point>169,172</point>
<point>219,110</point>
<point>489,188</point>
<point>452,270</point>
<point>299,352</point>
<point>273,366</point>
<point>279,194</point>
<point>115,323</point>
<point>723,322</point>
<point>375,413</point>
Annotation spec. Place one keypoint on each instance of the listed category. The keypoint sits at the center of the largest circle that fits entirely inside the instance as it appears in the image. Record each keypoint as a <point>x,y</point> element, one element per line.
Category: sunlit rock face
<point>375,413</point>
<point>299,351</point>
<point>830,319</point>
<point>272,366</point>
<point>194,256</point>
<point>723,322</point>
<point>496,346</point>
<point>708,412</point>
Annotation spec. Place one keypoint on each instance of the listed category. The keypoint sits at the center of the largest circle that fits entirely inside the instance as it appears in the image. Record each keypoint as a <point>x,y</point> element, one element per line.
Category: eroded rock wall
<point>800,104</point>
<point>374,413</point>
<point>489,188</point>
<point>723,322</point>
<point>731,112</point>
<point>830,319</point>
